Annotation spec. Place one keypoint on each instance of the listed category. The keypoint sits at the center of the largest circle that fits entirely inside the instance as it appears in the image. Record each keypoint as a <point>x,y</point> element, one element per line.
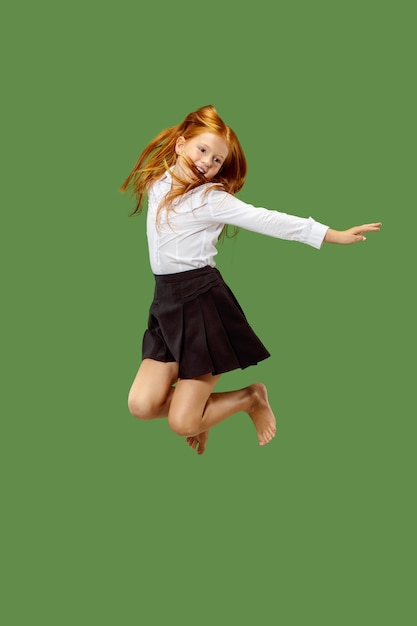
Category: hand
<point>352,235</point>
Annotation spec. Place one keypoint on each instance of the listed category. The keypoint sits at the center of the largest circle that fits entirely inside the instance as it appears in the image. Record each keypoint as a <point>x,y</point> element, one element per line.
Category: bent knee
<point>184,427</point>
<point>140,408</point>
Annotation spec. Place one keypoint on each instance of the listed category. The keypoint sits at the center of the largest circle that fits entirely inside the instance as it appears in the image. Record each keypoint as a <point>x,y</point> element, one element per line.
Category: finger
<point>366,228</point>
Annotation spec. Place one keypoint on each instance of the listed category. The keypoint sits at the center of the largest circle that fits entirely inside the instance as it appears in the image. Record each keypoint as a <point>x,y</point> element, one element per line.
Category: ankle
<point>256,393</point>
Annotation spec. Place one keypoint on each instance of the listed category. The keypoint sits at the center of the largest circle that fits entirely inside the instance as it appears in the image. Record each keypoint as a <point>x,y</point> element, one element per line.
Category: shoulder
<point>215,194</point>
<point>222,201</point>
<point>207,193</point>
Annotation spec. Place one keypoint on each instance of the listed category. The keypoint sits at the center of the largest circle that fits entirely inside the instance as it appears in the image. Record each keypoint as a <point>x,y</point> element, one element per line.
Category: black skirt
<point>196,321</point>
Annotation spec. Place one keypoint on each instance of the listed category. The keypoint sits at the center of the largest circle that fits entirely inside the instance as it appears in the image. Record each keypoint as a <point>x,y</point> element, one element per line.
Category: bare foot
<point>198,442</point>
<point>261,413</point>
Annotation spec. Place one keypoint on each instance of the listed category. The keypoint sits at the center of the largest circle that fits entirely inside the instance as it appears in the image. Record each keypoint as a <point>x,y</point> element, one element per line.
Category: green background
<point>110,521</point>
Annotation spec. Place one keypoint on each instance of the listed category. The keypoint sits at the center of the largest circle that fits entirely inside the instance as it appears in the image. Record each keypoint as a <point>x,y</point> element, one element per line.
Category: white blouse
<point>186,237</point>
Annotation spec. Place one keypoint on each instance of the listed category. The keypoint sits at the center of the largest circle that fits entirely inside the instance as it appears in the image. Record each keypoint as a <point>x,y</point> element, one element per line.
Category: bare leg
<point>191,407</point>
<point>151,394</point>
<point>195,409</point>
<point>152,390</point>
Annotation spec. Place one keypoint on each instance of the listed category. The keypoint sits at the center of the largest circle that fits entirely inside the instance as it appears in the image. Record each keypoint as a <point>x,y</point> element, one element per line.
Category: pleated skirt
<point>196,321</point>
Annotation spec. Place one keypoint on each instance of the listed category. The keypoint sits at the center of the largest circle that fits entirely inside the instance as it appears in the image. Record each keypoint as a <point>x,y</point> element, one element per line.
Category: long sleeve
<point>227,209</point>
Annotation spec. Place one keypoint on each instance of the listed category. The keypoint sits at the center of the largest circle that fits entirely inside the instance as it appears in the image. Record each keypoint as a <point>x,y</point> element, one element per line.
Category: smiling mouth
<point>200,169</point>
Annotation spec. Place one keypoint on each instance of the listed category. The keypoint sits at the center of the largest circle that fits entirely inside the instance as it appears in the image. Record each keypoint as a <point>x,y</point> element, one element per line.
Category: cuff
<point>314,233</point>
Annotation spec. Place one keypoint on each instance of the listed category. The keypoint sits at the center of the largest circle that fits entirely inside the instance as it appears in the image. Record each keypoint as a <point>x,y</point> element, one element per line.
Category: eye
<point>202,149</point>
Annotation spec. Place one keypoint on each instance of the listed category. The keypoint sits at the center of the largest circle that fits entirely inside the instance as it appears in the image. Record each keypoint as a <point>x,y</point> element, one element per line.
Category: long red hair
<point>159,156</point>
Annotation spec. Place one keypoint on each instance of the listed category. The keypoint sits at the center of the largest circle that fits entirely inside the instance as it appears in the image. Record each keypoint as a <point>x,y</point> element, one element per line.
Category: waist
<point>179,277</point>
<point>185,286</point>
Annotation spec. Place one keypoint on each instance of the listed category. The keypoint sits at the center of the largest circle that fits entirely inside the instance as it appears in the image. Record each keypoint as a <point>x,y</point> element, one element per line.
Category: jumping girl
<point>197,330</point>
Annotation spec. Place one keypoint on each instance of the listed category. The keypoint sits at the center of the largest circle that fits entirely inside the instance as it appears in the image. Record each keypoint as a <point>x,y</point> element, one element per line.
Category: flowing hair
<point>159,156</point>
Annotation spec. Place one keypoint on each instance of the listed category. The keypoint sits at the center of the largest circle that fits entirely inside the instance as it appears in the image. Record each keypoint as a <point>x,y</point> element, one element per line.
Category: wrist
<point>331,236</point>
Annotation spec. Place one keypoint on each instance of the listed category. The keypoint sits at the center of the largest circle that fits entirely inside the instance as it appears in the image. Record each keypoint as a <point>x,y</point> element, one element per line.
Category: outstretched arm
<point>352,235</point>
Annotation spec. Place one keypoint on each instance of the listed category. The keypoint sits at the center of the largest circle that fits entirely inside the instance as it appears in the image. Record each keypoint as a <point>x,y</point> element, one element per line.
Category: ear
<point>179,144</point>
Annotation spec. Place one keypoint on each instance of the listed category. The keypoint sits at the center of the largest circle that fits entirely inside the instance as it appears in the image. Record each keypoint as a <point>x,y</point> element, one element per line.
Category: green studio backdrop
<point>107,520</point>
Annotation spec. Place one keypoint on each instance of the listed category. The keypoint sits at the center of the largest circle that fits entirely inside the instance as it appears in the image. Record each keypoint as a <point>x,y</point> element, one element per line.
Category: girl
<point>197,330</point>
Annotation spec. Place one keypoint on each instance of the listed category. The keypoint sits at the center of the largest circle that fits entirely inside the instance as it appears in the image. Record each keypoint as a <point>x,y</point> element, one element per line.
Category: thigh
<point>153,383</point>
<point>189,401</point>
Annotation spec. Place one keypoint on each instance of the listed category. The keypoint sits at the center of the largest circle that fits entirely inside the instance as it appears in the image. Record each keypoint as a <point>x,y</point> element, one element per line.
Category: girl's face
<point>208,152</point>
